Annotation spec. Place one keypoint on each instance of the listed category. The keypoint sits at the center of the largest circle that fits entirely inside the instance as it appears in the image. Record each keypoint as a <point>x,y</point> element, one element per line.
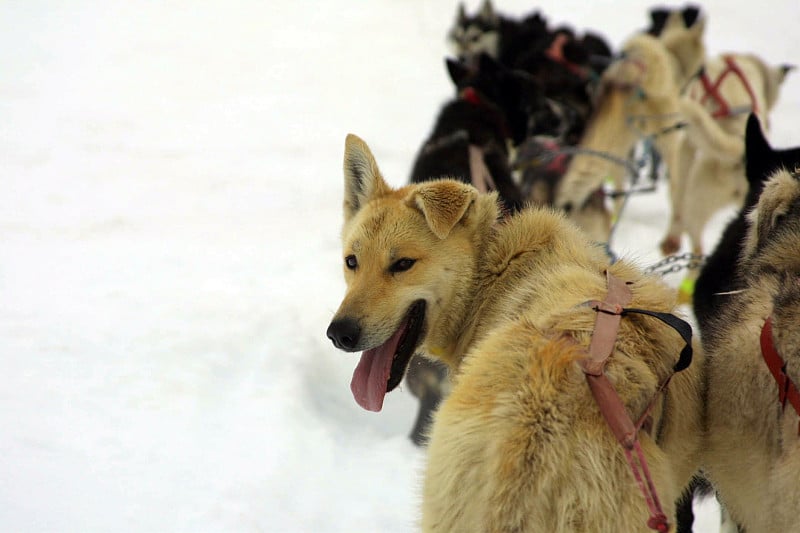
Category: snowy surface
<point>169,251</point>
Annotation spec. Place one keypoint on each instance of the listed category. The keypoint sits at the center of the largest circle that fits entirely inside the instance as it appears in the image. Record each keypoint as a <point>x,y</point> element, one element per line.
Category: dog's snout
<point>344,333</point>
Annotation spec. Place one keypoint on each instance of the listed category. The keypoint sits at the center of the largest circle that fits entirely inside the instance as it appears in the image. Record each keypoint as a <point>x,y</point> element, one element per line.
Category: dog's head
<point>682,32</point>
<point>773,237</point>
<point>516,94</point>
<point>409,254</point>
<point>471,36</point>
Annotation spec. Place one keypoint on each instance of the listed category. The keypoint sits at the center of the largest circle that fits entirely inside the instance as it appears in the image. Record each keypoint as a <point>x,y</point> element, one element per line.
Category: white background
<point>170,206</point>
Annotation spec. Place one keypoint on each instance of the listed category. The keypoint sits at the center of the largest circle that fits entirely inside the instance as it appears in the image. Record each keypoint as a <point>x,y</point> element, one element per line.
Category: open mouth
<point>381,369</point>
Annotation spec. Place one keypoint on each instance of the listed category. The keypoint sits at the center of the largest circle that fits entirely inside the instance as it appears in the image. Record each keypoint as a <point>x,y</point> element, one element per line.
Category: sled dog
<point>752,454</point>
<point>639,99</point>
<point>715,109</point>
<point>520,443</point>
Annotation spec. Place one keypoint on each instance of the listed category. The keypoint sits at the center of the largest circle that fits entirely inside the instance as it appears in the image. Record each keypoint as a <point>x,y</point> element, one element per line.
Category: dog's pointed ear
<point>758,152</point>
<point>690,15</point>
<point>487,13</point>
<point>443,204</point>
<point>658,19</point>
<point>754,138</point>
<point>362,178</point>
<point>461,14</point>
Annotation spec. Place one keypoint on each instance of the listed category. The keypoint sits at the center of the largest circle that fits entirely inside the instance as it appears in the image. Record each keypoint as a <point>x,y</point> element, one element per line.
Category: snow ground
<point>169,253</point>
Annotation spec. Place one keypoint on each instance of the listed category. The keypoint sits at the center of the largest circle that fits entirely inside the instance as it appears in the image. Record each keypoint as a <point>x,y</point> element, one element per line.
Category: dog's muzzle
<point>345,334</point>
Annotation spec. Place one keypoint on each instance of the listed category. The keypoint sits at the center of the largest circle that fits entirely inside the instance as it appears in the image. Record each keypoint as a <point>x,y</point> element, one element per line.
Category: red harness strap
<point>609,314</point>
<point>787,390</point>
<point>556,53</point>
<point>712,89</point>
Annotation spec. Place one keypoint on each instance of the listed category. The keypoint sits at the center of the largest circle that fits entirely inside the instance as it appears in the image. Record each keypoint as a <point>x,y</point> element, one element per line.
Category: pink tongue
<point>370,376</point>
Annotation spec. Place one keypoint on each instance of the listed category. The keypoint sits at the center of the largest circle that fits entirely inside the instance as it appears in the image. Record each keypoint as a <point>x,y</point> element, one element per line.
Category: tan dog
<point>711,172</point>
<point>519,444</point>
<point>639,98</point>
<point>753,451</point>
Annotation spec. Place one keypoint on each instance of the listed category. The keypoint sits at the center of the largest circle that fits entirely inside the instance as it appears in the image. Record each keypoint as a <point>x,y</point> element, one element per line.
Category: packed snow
<point>169,251</point>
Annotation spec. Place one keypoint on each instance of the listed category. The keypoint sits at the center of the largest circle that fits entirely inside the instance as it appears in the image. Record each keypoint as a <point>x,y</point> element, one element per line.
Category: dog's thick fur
<point>753,451</point>
<point>519,444</point>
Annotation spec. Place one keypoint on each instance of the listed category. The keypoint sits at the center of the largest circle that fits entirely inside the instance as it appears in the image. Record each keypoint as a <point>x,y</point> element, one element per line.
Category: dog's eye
<point>401,265</point>
<point>351,262</point>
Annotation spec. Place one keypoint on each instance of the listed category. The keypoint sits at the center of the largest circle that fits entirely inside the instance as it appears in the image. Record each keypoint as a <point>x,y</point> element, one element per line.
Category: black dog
<point>470,136</point>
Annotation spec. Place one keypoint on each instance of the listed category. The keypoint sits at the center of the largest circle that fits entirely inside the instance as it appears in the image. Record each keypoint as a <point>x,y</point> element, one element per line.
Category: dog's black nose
<point>344,333</point>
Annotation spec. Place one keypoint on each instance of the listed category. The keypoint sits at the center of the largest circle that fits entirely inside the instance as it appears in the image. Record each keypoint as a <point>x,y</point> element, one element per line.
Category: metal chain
<point>676,263</point>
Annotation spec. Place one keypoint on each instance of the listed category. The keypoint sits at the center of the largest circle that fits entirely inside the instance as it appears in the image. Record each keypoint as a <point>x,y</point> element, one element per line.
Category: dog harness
<point>555,52</point>
<point>712,90</point>
<point>787,390</point>
<point>609,314</point>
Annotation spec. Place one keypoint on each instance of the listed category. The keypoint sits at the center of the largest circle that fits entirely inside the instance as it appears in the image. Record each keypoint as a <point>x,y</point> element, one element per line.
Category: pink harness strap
<point>479,173</point>
<point>712,89</point>
<point>609,314</point>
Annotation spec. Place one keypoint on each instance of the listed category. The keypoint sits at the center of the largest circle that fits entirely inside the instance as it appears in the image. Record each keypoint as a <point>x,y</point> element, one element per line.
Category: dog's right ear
<point>461,14</point>
<point>759,156</point>
<point>658,19</point>
<point>362,178</point>
<point>443,204</point>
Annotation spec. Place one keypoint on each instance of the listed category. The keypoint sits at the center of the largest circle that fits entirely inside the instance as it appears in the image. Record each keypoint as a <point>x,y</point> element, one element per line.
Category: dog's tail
<point>707,134</point>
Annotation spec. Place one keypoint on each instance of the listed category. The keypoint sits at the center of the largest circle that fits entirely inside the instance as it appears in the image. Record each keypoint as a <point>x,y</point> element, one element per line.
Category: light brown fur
<point>519,444</point>
<point>711,175</point>
<point>639,97</point>
<point>753,450</point>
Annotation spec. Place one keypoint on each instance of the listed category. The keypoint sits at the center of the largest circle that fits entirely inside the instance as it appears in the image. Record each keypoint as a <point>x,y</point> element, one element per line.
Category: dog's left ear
<point>690,15</point>
<point>362,178</point>
<point>443,204</point>
<point>487,13</point>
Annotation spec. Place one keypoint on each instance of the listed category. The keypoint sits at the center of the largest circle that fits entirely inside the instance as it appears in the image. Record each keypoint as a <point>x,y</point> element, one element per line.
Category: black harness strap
<point>681,326</point>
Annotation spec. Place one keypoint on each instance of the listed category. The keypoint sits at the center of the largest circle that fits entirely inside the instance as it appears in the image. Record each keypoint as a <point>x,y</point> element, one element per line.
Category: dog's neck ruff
<point>712,90</point>
<point>609,314</point>
<point>787,390</point>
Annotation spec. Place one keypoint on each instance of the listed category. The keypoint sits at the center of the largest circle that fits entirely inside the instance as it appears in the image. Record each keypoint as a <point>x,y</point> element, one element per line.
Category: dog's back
<point>753,450</point>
